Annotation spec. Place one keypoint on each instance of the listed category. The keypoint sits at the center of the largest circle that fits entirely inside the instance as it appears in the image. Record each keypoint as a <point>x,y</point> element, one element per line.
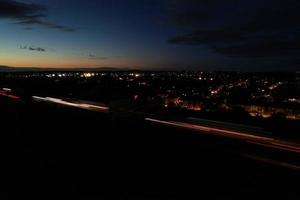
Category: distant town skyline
<point>151,34</point>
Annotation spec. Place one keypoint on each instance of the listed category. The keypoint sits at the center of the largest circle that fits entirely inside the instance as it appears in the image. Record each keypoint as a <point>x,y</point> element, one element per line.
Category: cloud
<point>28,28</point>
<point>185,13</point>
<point>95,57</point>
<point>47,24</point>
<point>33,48</point>
<point>28,14</point>
<point>262,29</point>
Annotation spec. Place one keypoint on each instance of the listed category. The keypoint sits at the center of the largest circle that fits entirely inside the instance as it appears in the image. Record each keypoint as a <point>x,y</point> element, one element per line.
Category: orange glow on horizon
<point>65,63</point>
<point>51,60</point>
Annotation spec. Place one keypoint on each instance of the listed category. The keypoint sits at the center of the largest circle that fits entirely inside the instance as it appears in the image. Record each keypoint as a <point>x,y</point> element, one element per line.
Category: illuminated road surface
<point>251,138</point>
<point>87,106</point>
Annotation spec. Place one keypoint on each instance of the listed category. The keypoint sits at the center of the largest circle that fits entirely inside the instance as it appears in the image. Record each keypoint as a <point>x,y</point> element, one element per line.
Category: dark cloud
<point>95,57</point>
<point>269,28</point>
<point>185,13</point>
<point>28,14</point>
<point>47,24</point>
<point>28,28</point>
<point>33,48</point>
<point>199,37</point>
<point>281,47</point>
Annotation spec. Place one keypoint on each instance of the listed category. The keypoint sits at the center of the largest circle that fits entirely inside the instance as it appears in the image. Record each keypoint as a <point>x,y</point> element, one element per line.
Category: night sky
<point>151,34</point>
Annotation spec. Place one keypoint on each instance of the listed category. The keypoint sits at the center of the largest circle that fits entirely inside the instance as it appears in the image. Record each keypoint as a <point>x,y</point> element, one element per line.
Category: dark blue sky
<point>151,34</point>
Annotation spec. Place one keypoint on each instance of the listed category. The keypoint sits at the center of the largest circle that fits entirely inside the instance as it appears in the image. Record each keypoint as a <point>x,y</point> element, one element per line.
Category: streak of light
<point>278,145</point>
<point>7,89</point>
<point>255,139</point>
<point>271,161</point>
<point>204,128</point>
<point>66,103</point>
<point>9,95</point>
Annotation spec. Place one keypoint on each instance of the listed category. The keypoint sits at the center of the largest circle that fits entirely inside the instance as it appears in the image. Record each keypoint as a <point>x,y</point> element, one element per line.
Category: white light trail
<point>66,103</point>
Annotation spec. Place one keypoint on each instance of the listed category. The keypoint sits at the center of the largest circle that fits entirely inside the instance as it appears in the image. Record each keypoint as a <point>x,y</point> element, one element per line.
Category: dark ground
<point>50,152</point>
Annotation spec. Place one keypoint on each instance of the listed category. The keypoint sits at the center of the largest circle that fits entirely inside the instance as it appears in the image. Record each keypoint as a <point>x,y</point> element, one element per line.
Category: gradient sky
<point>151,34</point>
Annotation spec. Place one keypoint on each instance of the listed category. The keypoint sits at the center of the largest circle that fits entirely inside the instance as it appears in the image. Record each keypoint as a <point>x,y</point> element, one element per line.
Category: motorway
<point>217,129</point>
<point>251,138</point>
<point>56,147</point>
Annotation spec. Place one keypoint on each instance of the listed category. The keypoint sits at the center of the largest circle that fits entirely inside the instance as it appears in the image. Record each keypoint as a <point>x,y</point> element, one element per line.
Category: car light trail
<point>271,161</point>
<point>255,139</point>
<point>66,103</point>
<point>2,93</point>
<point>7,89</point>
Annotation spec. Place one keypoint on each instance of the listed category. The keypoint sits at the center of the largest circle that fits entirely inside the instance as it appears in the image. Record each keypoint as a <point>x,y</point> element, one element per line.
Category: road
<point>252,138</point>
<point>232,131</point>
<point>56,150</point>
